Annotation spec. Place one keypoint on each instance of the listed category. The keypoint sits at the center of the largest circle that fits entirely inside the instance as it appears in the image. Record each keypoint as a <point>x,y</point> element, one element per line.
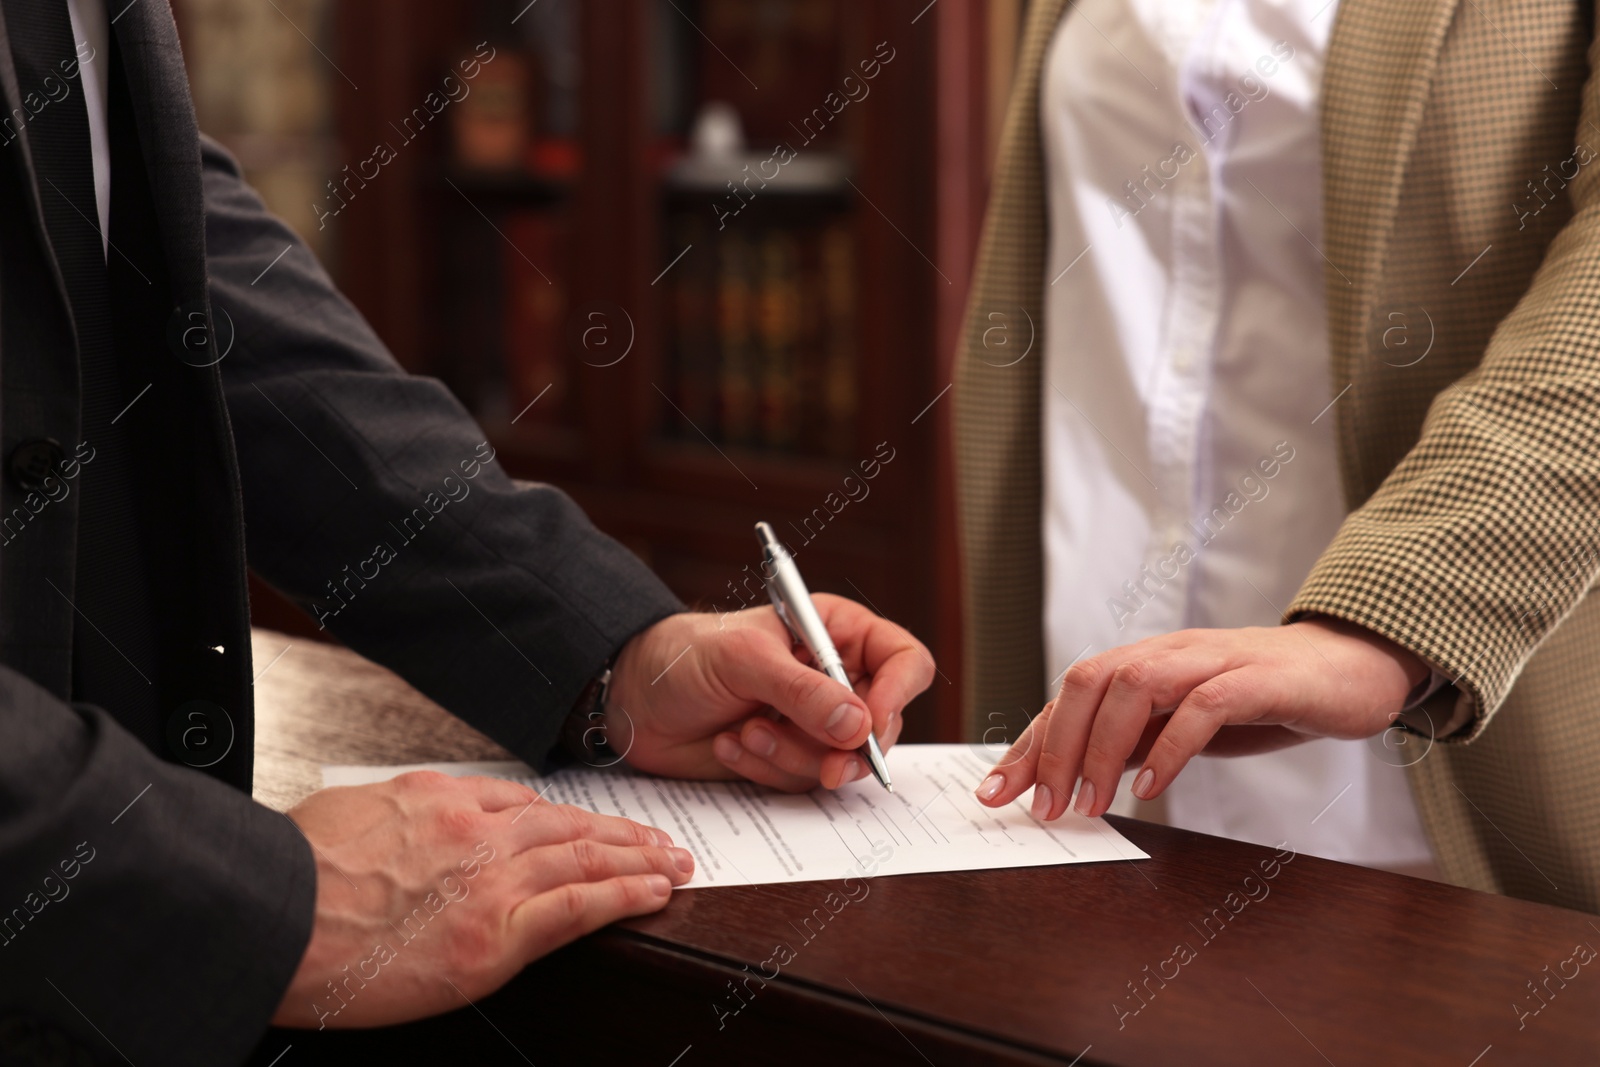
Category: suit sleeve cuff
<point>1436,709</point>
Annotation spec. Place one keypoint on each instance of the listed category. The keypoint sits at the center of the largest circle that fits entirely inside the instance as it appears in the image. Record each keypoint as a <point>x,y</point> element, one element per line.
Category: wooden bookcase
<point>426,251</point>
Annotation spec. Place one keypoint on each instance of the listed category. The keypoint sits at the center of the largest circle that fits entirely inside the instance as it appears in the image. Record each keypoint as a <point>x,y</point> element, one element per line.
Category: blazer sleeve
<point>372,499</point>
<point>1486,535</point>
<point>144,906</point>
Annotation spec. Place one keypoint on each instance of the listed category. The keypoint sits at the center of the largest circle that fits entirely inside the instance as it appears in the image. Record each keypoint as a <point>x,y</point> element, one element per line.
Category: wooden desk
<point>1322,964</point>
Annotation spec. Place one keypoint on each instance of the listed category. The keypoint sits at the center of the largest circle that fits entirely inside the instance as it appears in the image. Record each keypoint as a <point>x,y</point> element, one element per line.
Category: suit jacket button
<point>199,733</point>
<point>34,460</point>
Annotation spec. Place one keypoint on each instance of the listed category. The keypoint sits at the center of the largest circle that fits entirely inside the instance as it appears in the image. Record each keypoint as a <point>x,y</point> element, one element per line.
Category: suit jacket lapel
<point>17,115</point>
<point>1379,67</point>
<point>168,138</point>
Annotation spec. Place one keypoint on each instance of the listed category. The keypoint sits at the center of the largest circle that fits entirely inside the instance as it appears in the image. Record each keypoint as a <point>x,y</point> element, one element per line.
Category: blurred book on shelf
<point>837,283</point>
<point>520,114</point>
<point>777,337</point>
<point>735,351</point>
<point>692,326</point>
<point>762,332</point>
<point>493,121</point>
<point>550,39</point>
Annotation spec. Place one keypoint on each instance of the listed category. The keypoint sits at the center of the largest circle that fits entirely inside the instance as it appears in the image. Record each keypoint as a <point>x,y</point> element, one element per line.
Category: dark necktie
<point>114,644</point>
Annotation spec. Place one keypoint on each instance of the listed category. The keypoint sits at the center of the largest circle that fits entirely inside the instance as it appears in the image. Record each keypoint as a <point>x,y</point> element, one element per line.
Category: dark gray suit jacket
<point>146,903</point>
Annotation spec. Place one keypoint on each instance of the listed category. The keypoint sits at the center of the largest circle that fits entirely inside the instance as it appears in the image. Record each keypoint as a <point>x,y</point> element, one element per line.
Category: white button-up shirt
<point>1191,476</point>
<point>89,26</point>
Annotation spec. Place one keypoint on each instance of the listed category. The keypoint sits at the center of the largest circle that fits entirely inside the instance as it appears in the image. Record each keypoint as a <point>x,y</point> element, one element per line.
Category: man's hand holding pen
<point>708,696</point>
<point>694,696</point>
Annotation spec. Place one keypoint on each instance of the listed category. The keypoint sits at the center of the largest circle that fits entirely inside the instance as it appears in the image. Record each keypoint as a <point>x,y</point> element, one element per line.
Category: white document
<point>744,834</point>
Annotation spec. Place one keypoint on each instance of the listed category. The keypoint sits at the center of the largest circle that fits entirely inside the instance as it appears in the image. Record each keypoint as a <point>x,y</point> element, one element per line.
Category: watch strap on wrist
<point>583,734</point>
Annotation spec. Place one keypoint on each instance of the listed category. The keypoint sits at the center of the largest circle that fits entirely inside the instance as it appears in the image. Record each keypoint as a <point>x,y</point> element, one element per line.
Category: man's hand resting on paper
<point>1233,691</point>
<point>433,891</point>
<point>690,696</point>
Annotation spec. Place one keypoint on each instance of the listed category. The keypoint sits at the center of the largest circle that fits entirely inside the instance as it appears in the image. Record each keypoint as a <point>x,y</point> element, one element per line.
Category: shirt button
<point>1182,359</point>
<point>35,460</point>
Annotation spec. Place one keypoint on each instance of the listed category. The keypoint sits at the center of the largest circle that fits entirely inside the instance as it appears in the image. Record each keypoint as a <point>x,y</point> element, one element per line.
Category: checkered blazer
<point>1461,185</point>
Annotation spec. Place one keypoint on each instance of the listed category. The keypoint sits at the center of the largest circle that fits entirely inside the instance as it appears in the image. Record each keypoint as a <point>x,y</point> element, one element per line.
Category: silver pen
<point>793,603</point>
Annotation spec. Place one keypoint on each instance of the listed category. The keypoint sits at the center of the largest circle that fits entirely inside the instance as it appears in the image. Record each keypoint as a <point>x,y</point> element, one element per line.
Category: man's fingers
<point>497,794</point>
<point>743,763</point>
<point>786,746</point>
<point>889,734</point>
<point>587,860</point>
<point>783,744</point>
<point>768,673</point>
<point>895,682</point>
<point>842,768</point>
<point>901,666</point>
<point>882,715</point>
<point>552,824</point>
<point>543,923</point>
<point>790,749</point>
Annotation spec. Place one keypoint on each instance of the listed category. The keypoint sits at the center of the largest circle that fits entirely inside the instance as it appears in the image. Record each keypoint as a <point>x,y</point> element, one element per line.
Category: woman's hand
<point>1317,678</point>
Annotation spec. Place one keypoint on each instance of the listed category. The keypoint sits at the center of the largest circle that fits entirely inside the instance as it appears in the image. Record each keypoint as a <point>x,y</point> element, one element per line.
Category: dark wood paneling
<point>682,506</point>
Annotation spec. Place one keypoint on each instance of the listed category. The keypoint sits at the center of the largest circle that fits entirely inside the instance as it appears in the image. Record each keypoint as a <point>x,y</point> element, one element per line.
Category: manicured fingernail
<point>727,749</point>
<point>991,787</point>
<point>1043,798</point>
<point>1142,784</point>
<point>663,839</point>
<point>845,722</point>
<point>761,741</point>
<point>1085,798</point>
<point>682,860</point>
<point>659,884</point>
